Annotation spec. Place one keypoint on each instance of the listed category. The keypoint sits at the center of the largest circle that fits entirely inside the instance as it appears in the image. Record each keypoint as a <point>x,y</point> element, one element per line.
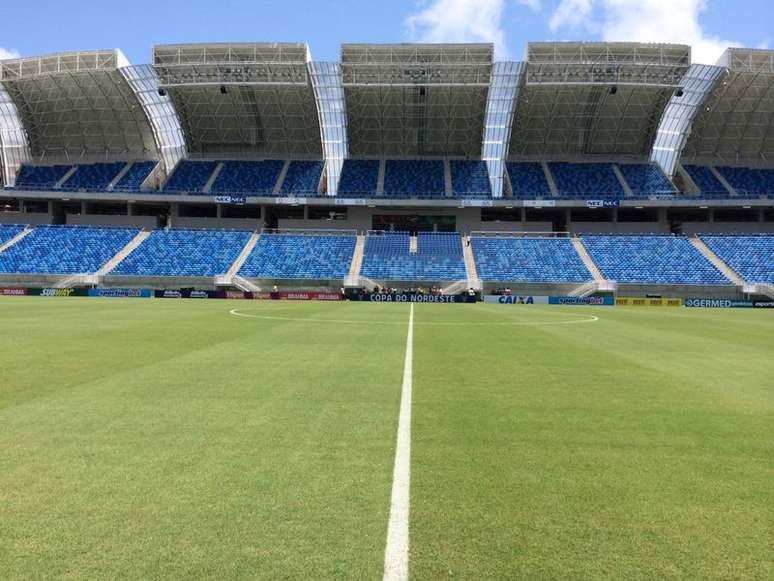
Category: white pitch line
<point>396,553</point>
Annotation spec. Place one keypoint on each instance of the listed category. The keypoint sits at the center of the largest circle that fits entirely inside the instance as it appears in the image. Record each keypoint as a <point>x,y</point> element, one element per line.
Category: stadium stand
<point>64,249</point>
<point>94,177</point>
<point>190,176</point>
<point>528,260</point>
<point>359,177</point>
<point>417,178</point>
<point>303,177</point>
<point>528,181</point>
<point>40,177</point>
<point>300,256</point>
<point>653,259</point>
<point>470,178</point>
<point>439,257</point>
<point>709,186</point>
<point>583,180</point>
<point>749,181</point>
<point>248,177</point>
<point>133,179</point>
<point>646,179</point>
<point>751,257</point>
<point>8,231</point>
<point>184,253</point>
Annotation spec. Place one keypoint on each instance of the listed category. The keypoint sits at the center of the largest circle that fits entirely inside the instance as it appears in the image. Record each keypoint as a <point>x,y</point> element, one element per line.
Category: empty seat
<point>709,185</point>
<point>303,177</point>
<point>528,260</point>
<point>420,178</point>
<point>64,249</point>
<point>528,180</point>
<point>586,180</point>
<point>135,176</point>
<point>190,176</point>
<point>359,177</point>
<point>646,179</point>
<point>439,257</point>
<point>750,256</point>
<point>300,256</point>
<point>40,177</point>
<point>248,177</point>
<point>93,176</point>
<point>470,178</point>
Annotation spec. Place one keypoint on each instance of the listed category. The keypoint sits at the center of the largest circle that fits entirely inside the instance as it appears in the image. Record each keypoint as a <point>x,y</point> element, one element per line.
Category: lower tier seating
<point>751,257</point>
<point>439,257</point>
<point>64,249</point>
<point>300,256</point>
<point>528,260</point>
<point>8,231</point>
<point>184,253</point>
<point>651,259</point>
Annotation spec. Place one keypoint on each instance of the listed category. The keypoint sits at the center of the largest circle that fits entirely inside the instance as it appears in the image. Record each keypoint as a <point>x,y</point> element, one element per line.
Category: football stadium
<point>417,312</point>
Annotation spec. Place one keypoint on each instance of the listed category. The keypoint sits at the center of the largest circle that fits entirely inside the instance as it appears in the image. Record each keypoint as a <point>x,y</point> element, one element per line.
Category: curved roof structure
<point>735,123</point>
<point>594,99</point>
<point>416,100</point>
<point>242,100</point>
<point>86,106</point>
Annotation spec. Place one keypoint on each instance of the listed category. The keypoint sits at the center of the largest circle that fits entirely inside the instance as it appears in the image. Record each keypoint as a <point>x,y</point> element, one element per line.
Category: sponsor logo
<point>241,200</point>
<point>310,296</point>
<point>717,303</point>
<point>539,203</point>
<point>515,300</point>
<point>199,294</point>
<point>763,304</point>
<point>230,294</point>
<point>411,298</point>
<point>57,292</point>
<point>171,294</point>
<point>603,203</point>
<point>119,292</point>
<point>13,292</point>
<point>595,301</point>
<point>647,302</point>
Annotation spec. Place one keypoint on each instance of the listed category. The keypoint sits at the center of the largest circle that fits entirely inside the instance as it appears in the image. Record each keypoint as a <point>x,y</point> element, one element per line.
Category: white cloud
<point>674,21</point>
<point>8,54</point>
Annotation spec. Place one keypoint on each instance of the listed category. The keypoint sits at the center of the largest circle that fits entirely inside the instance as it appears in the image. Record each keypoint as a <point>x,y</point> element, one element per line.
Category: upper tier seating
<point>64,249</point>
<point>419,178</point>
<point>470,178</point>
<point>750,256</point>
<point>300,256</point>
<point>439,257</point>
<point>248,177</point>
<point>302,177</point>
<point>8,231</point>
<point>184,253</point>
<point>359,177</point>
<point>528,180</point>
<point>40,177</point>
<point>133,179</point>
<point>709,186</point>
<point>528,260</point>
<point>646,179</point>
<point>93,176</point>
<point>387,257</point>
<point>190,176</point>
<point>586,180</point>
<point>651,259</point>
<point>749,181</point>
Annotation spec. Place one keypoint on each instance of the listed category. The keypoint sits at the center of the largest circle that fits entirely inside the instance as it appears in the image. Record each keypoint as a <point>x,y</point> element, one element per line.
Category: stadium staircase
<point>762,289</point>
<point>352,279</point>
<point>15,239</point>
<point>470,265</point>
<point>117,178</point>
<point>600,283</point>
<point>231,278</point>
<point>713,258</point>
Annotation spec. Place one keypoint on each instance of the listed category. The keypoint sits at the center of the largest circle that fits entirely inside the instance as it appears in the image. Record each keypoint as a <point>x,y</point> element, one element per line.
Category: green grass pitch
<point>169,439</point>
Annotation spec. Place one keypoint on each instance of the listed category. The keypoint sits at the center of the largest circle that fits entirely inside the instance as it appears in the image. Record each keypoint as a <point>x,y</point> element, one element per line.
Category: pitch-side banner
<point>647,302</point>
<point>717,303</point>
<point>594,301</point>
<point>413,298</point>
<point>515,300</point>
<point>139,293</point>
<point>13,291</point>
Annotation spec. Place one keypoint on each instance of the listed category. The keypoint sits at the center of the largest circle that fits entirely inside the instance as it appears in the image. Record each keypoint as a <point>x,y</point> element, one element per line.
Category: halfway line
<point>396,553</point>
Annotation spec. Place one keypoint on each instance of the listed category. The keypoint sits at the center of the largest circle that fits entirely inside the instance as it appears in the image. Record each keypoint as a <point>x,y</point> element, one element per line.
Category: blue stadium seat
<point>528,181</point>
<point>302,177</point>
<point>64,249</point>
<point>190,176</point>
<point>709,186</point>
<point>750,182</point>
<point>93,177</point>
<point>359,177</point>
<point>300,256</point>
<point>750,256</point>
<point>40,177</point>
<point>416,178</point>
<point>439,257</point>
<point>8,231</point>
<point>133,179</point>
<point>248,177</point>
<point>184,253</point>
<point>651,259</point>
<point>586,180</point>
<point>528,260</point>
<point>470,179</point>
<point>646,179</point>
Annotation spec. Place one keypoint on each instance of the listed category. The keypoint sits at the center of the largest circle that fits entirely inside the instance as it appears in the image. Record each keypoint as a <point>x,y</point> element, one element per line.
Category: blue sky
<point>39,27</point>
